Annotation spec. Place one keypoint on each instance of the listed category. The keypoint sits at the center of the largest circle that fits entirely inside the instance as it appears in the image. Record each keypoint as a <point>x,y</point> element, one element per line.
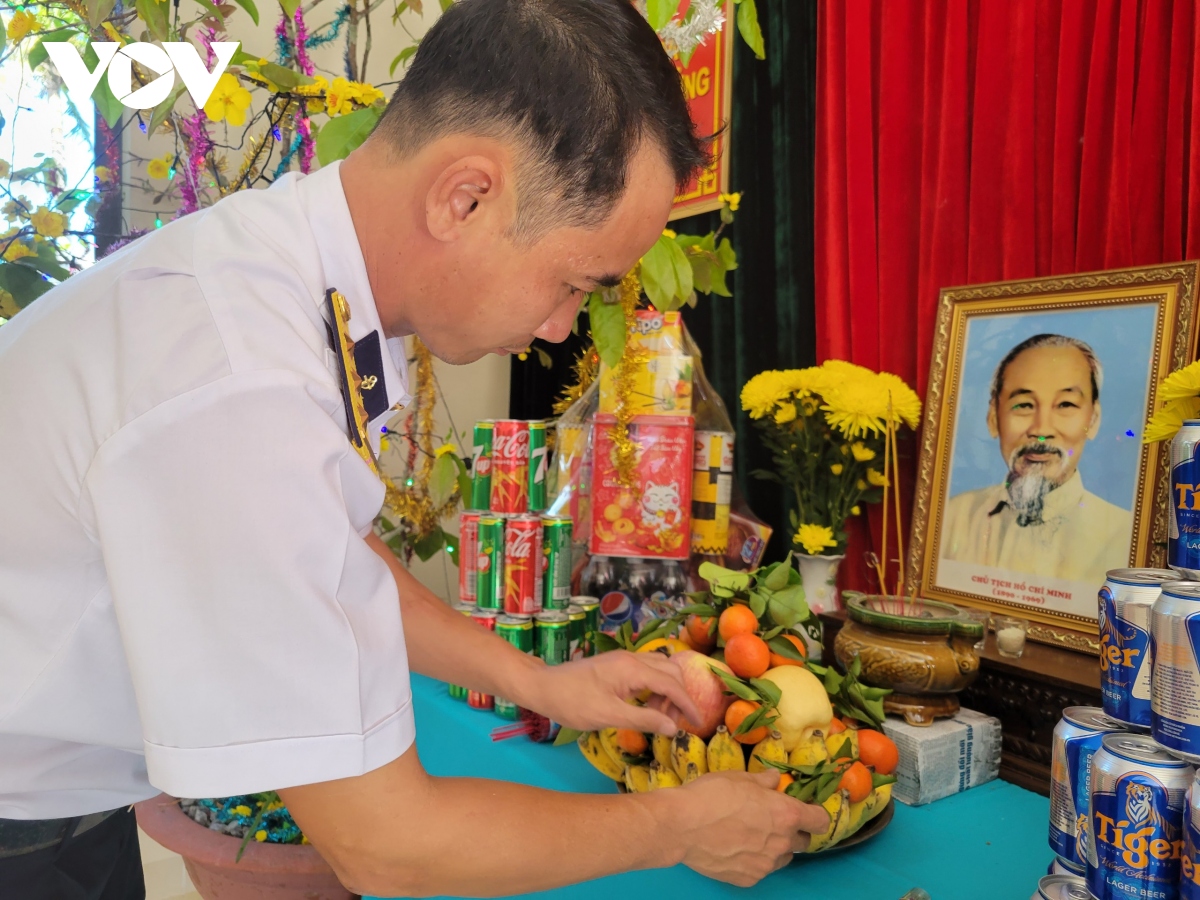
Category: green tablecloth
<point>988,843</point>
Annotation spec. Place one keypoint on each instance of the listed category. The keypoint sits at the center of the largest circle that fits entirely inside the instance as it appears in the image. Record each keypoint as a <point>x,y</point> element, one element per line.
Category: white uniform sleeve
<point>263,635</point>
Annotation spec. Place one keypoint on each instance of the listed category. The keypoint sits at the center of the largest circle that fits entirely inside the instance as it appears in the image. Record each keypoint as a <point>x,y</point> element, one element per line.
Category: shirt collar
<point>328,214</point>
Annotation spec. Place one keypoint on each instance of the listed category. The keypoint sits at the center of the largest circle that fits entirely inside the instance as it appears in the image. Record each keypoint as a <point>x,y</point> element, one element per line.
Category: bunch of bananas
<point>813,772</point>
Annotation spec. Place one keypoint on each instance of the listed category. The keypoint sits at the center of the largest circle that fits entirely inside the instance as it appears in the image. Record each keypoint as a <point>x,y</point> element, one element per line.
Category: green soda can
<point>489,584</point>
<point>518,631</point>
<point>458,692</point>
<point>578,630</point>
<point>591,611</point>
<point>556,562</point>
<point>481,465</point>
<point>552,637</point>
<point>539,458</point>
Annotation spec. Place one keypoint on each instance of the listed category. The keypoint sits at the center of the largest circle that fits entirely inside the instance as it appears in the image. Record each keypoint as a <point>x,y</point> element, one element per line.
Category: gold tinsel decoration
<point>625,451</point>
<point>586,370</point>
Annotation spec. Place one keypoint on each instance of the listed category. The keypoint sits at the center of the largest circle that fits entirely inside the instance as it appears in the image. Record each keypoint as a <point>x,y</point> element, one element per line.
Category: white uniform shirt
<point>187,603</point>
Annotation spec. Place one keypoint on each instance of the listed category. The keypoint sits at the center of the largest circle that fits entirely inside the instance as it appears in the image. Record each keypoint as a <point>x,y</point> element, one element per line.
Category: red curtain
<point>966,141</point>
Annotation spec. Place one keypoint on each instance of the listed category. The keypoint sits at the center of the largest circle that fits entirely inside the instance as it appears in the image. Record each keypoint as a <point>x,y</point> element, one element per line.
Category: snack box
<point>662,386</point>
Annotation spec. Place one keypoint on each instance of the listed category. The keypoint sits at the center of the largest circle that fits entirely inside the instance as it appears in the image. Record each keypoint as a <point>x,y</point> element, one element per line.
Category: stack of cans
<point>514,561</point>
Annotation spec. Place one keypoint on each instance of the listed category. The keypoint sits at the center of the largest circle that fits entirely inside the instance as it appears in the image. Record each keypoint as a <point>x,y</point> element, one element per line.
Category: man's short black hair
<point>577,83</point>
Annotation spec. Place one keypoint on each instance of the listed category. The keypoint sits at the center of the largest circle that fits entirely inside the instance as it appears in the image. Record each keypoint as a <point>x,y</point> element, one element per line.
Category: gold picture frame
<point>1153,304</point>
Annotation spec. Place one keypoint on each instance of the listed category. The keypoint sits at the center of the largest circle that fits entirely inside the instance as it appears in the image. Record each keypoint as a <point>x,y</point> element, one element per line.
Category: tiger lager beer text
<point>1124,612</point>
<point>1076,740</point>
<point>523,566</point>
<point>1183,537</point>
<point>1175,683</point>
<point>481,466</point>
<point>510,466</point>
<point>1136,825</point>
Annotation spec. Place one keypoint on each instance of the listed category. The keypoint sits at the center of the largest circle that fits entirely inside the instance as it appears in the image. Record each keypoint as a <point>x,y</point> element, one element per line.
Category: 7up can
<point>556,562</point>
<point>1124,613</point>
<point>1183,537</point>
<point>523,566</point>
<point>518,631</point>
<point>481,465</point>
<point>489,563</point>
<point>552,637</point>
<point>539,457</point>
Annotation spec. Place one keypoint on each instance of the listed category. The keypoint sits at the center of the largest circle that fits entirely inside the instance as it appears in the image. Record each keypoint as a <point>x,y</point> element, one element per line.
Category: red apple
<point>704,687</point>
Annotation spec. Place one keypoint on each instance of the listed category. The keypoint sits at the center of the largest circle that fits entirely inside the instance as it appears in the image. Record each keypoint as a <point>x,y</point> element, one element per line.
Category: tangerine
<point>737,712</point>
<point>701,632</point>
<point>878,751</point>
<point>737,619</point>
<point>748,655</point>
<point>856,780</point>
<point>632,742</point>
<point>784,780</point>
<point>835,726</point>
<point>778,660</point>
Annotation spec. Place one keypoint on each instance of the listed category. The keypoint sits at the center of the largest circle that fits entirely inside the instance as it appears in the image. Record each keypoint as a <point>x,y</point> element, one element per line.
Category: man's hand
<point>594,693</point>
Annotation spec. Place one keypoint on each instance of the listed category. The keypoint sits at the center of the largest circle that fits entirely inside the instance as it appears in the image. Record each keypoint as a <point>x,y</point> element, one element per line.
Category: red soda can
<point>523,566</point>
<point>510,466</point>
<point>486,618</point>
<point>468,550</point>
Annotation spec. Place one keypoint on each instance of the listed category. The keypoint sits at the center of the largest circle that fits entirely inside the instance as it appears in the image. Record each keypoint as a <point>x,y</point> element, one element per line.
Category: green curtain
<point>769,322</point>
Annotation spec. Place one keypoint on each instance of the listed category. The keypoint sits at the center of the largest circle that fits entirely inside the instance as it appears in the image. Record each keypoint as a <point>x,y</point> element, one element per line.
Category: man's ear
<point>992,422</point>
<point>458,193</point>
<point>1094,428</point>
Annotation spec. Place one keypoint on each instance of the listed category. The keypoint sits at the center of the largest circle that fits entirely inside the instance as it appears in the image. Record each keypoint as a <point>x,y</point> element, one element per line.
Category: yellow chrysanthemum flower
<point>48,223</point>
<point>21,24</point>
<point>862,453</point>
<point>814,538</point>
<point>837,468</point>
<point>875,477</point>
<point>444,449</point>
<point>1166,421</point>
<point>1181,383</point>
<point>856,510</point>
<point>762,393</point>
<point>733,200</point>
<point>228,101</point>
<point>339,97</point>
<point>785,414</point>
<point>158,168</point>
<point>859,401</point>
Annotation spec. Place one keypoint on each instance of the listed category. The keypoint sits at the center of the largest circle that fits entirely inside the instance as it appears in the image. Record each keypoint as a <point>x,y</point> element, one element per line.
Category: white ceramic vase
<point>818,575</point>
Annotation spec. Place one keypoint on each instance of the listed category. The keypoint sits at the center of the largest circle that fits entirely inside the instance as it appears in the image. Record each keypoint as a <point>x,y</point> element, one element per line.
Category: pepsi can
<point>1076,740</point>
<point>1183,537</point>
<point>1061,887</point>
<point>1124,614</point>
<point>1137,802</point>
<point>1175,681</point>
<point>1189,862</point>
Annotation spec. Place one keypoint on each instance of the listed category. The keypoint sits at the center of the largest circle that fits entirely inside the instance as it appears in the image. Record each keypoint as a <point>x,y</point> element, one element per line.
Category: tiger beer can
<point>468,556</point>
<point>556,562</point>
<point>523,566</point>
<point>486,618</point>
<point>1189,860</point>
<point>539,457</point>
<point>489,563</point>
<point>518,631</point>
<point>1061,886</point>
<point>1138,797</point>
<point>1060,866</point>
<point>1175,685</point>
<point>510,466</point>
<point>1183,535</point>
<point>1124,613</point>
<point>481,465</point>
<point>1076,740</point>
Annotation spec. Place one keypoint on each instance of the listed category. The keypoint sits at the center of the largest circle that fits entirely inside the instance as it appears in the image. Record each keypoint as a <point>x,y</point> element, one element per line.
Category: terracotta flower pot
<point>265,871</point>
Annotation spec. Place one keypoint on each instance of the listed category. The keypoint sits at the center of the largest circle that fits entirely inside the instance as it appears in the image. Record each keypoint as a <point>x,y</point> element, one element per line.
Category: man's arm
<point>398,831</point>
<point>587,694</point>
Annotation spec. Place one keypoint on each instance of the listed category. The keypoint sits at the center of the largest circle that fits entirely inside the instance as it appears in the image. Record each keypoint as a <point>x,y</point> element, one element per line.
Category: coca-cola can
<point>523,566</point>
<point>510,467</point>
<point>468,550</point>
<point>475,699</point>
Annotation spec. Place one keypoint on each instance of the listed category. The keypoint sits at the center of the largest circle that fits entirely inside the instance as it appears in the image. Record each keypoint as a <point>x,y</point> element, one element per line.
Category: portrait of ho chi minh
<point>1044,409</point>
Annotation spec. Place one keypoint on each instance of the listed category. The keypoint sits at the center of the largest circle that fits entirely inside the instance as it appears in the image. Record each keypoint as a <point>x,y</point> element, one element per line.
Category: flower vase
<point>818,577</point>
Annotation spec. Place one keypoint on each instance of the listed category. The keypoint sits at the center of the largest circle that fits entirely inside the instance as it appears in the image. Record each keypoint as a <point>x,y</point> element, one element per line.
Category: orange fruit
<point>701,632</point>
<point>748,655</point>
<point>836,726</point>
<point>738,710</point>
<point>878,751</point>
<point>737,619</point>
<point>632,742</point>
<point>857,781</point>
<point>784,780</point>
<point>777,660</point>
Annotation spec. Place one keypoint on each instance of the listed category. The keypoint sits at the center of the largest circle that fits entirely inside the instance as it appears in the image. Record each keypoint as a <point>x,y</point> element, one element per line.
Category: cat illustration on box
<point>660,507</point>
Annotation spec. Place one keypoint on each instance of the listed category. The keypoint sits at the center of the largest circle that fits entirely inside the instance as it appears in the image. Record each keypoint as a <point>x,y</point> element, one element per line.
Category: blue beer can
<point>1138,797</point>
<point>1125,602</point>
<point>1076,740</point>
<point>1183,538</point>
<point>1189,862</point>
<point>1175,679</point>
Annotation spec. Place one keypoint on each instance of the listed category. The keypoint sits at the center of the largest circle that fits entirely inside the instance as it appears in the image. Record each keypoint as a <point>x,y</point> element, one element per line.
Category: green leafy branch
<point>850,697</point>
<point>817,783</point>
<point>755,690</point>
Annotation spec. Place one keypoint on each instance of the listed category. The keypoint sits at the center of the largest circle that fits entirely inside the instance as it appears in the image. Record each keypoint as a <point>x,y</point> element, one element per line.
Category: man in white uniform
<point>184,514</point>
<point>1045,407</point>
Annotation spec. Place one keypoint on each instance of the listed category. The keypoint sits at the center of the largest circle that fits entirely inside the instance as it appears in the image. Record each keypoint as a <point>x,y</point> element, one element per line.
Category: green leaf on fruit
<point>878,780</point>
<point>442,480</point>
<point>603,642</point>
<point>566,736</point>
<point>737,687</point>
<point>784,647</point>
<point>703,610</point>
<point>777,578</point>
<point>608,329</point>
<point>769,691</point>
<point>758,604</point>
